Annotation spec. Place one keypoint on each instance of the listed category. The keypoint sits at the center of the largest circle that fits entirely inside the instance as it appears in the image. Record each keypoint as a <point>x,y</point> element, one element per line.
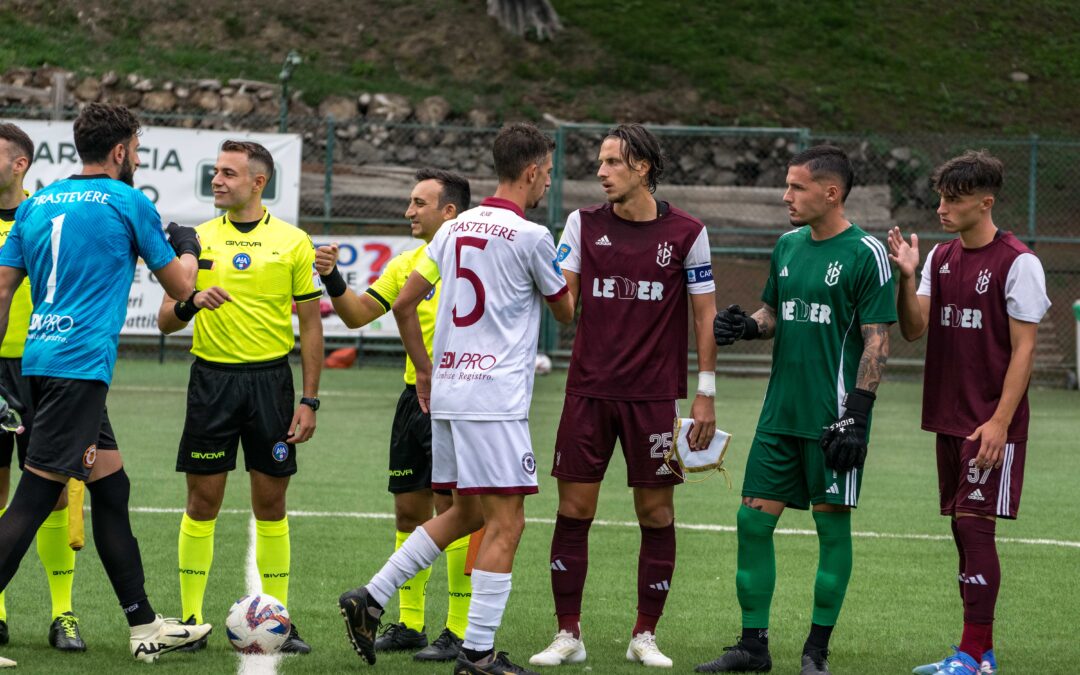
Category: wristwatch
<point>310,401</point>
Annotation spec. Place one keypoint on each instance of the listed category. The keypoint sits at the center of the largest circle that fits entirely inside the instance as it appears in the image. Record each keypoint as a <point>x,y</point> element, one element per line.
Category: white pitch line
<point>701,527</point>
<point>255,664</point>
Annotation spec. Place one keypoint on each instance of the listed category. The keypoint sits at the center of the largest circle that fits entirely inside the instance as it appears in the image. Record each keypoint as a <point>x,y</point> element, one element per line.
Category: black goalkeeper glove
<point>844,441</point>
<point>733,324</point>
<point>183,239</point>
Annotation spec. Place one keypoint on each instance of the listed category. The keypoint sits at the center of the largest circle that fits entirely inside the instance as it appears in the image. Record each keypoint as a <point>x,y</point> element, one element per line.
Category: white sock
<point>417,553</point>
<point>490,591</point>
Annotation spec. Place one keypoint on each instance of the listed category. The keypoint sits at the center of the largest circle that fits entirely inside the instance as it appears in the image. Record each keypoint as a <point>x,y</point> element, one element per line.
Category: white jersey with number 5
<point>495,267</point>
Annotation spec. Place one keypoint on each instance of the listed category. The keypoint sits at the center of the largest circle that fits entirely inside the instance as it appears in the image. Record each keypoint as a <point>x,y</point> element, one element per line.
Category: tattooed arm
<point>875,354</point>
<point>766,321</point>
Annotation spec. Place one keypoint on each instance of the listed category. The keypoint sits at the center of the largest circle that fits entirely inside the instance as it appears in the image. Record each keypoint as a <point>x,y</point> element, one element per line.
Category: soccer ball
<point>543,364</point>
<point>257,624</point>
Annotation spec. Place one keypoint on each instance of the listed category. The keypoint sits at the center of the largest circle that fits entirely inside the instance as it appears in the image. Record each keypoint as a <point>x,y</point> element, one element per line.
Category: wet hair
<point>455,187</point>
<point>255,153</point>
<point>19,140</point>
<point>100,127</point>
<point>639,144</point>
<point>827,159</point>
<point>516,147</point>
<point>974,171</point>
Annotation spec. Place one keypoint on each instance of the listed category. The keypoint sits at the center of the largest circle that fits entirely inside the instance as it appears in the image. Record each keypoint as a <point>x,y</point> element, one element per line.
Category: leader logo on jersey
<point>961,317</point>
<point>663,254</point>
<point>832,275</point>
<point>241,261</point>
<point>983,283</point>
<point>799,310</point>
<point>627,289</point>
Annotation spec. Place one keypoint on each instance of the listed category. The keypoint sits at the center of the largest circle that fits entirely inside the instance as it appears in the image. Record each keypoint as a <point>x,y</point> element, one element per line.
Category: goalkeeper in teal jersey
<point>828,305</point>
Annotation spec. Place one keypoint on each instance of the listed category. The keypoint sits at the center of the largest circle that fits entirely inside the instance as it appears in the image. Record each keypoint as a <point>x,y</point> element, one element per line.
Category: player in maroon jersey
<point>980,299</point>
<point>630,264</point>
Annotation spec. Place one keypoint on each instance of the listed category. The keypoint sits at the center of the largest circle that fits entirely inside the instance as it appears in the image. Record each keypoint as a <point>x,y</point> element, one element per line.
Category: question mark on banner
<point>383,253</point>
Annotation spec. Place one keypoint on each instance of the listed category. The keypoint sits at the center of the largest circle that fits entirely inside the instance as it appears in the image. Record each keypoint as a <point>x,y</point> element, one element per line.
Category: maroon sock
<point>569,565</point>
<point>656,565</point>
<point>989,644</point>
<point>982,579</point>
<point>960,550</point>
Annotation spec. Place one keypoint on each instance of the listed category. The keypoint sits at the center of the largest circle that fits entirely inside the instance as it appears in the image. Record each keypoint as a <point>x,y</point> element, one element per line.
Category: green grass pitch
<point>901,610</point>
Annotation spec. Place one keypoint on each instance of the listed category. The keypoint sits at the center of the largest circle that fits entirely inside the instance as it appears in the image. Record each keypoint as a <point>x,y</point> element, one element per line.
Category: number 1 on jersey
<point>473,278</point>
<point>57,228</point>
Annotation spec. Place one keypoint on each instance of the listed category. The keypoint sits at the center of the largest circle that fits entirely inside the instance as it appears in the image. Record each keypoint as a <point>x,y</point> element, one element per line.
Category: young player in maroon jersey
<point>980,299</point>
<point>630,263</point>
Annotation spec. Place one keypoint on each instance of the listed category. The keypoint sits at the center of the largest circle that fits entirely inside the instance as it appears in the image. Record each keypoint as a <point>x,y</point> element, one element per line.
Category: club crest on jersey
<point>832,275</point>
<point>280,452</point>
<point>663,254</point>
<point>528,462</point>
<point>983,283</point>
<point>241,261</point>
<point>89,457</point>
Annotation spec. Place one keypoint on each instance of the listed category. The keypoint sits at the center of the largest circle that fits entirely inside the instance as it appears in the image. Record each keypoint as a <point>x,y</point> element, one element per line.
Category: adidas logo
<point>603,241</point>
<point>977,496</point>
<point>944,269</point>
<point>975,580</point>
<point>664,470</point>
<point>783,272</point>
<point>834,489</point>
<point>558,566</point>
<point>662,586</point>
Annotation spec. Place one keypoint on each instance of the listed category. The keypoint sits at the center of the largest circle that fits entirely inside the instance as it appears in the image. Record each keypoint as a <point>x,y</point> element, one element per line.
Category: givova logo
<point>218,454</point>
<point>801,311</point>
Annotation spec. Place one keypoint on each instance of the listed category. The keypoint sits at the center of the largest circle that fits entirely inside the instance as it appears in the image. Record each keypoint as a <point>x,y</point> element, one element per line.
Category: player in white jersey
<point>494,266</point>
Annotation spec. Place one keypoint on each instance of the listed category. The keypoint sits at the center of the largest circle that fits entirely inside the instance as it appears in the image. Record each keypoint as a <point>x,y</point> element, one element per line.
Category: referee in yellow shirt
<point>241,388</point>
<point>437,197</point>
<point>57,557</point>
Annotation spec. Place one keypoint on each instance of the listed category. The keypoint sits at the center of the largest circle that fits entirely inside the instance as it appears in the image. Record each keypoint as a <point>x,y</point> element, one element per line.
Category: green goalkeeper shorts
<point>792,470</point>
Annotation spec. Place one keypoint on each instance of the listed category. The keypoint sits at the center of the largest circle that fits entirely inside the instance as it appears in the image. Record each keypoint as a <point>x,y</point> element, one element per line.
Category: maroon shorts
<point>967,489</point>
<point>588,430</point>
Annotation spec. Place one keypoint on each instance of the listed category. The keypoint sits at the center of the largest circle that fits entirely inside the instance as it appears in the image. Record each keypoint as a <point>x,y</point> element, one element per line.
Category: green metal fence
<point>357,174</point>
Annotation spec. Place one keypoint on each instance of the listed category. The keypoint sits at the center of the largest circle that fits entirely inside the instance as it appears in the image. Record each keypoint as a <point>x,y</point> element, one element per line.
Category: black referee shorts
<point>410,446</point>
<point>71,425</point>
<point>12,379</point>
<point>229,404</point>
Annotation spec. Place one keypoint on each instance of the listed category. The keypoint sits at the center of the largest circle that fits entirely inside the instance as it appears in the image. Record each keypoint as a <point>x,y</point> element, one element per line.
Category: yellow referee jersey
<point>264,271</point>
<point>386,288</point>
<point>21,307</point>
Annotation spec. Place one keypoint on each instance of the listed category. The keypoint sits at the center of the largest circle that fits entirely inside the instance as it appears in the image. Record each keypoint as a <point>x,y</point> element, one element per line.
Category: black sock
<point>117,546</point>
<point>818,640</point>
<point>34,499</point>
<point>476,656</point>
<point>755,637</point>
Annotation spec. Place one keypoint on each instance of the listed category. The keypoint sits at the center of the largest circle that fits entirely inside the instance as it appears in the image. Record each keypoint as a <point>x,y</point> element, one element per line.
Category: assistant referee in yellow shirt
<point>241,388</point>
<point>437,197</point>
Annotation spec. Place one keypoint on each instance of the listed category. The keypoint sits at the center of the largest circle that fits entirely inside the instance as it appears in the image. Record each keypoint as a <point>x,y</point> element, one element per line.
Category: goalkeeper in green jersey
<point>828,304</point>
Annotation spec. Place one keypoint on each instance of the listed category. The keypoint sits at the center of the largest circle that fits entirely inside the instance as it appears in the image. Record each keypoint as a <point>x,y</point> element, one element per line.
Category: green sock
<point>3,607</point>
<point>834,565</point>
<point>58,559</point>
<point>411,594</point>
<point>272,557</point>
<point>756,576</point>
<point>195,553</point>
<point>459,585</point>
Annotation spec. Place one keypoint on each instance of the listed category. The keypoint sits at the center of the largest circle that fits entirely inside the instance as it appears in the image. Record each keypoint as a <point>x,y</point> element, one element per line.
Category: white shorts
<point>481,457</point>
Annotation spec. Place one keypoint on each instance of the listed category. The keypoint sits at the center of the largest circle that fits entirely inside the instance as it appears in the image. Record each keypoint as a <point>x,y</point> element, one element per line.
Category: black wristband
<point>334,283</point>
<point>751,330</point>
<point>185,310</point>
<point>859,401</point>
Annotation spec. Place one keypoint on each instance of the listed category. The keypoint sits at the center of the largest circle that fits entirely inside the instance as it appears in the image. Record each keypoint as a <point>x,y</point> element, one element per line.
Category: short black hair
<point>516,147</point>
<point>455,187</point>
<point>974,171</point>
<point>100,127</point>
<point>822,159</point>
<point>19,140</point>
<point>639,144</point>
<point>255,153</point>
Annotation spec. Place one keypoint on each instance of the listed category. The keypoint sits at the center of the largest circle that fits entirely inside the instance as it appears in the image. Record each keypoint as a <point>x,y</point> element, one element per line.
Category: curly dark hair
<point>974,171</point>
<point>100,127</point>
